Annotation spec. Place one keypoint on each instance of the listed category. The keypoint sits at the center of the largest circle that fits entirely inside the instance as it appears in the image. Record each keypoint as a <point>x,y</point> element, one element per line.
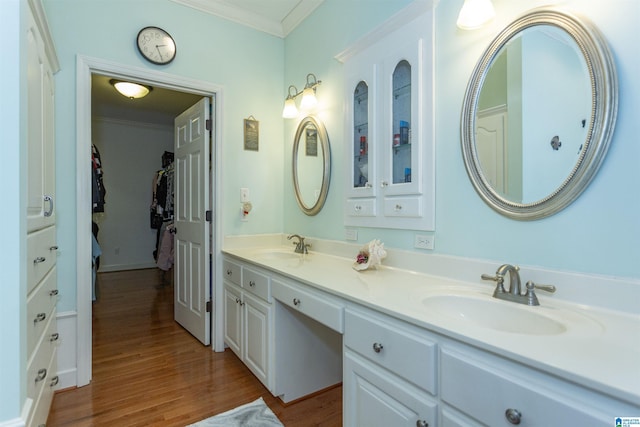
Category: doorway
<point>86,67</point>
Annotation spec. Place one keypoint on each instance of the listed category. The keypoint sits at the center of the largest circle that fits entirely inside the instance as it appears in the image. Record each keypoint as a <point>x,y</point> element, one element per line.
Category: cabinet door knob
<point>39,317</point>
<point>53,292</point>
<point>229,272</point>
<point>377,347</point>
<point>513,416</point>
<point>296,301</point>
<point>42,374</point>
<point>384,184</point>
<point>54,337</point>
<point>252,283</point>
<point>39,260</point>
<point>422,423</point>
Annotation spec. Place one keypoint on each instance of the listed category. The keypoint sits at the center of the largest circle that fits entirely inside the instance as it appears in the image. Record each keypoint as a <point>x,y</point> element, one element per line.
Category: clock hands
<point>158,46</point>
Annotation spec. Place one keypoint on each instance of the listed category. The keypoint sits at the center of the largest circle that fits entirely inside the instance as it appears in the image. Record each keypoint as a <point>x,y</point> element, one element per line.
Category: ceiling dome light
<point>131,90</point>
<point>475,13</point>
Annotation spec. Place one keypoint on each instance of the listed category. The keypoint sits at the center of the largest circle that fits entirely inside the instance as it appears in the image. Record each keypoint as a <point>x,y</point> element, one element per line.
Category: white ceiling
<point>276,17</point>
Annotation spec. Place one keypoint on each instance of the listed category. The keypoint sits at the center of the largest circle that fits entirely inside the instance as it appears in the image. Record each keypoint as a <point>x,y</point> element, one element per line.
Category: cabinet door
<point>233,318</point>
<point>257,319</point>
<point>375,397</point>
<point>362,133</point>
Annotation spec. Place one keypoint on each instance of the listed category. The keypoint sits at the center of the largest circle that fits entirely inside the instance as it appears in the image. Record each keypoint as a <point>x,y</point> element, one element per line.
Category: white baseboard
<point>124,267</point>
<point>67,349</point>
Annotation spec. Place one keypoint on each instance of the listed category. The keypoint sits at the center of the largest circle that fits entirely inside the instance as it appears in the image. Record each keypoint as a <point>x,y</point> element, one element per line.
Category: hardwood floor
<point>148,371</point>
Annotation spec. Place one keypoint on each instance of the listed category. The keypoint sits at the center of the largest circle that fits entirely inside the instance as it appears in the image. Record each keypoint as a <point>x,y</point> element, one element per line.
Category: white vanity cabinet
<point>248,314</point>
<point>390,372</point>
<point>389,126</point>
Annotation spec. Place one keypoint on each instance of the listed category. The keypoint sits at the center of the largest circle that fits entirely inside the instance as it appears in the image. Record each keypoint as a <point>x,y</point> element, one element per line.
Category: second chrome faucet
<point>301,247</point>
<point>514,294</point>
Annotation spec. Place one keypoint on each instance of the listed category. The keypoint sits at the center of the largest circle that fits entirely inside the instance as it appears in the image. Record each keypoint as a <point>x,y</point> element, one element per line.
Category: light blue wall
<point>599,233</point>
<point>248,65</point>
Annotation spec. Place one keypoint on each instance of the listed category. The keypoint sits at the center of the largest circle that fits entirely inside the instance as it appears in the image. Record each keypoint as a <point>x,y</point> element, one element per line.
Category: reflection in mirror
<point>536,89</point>
<point>311,165</point>
<point>538,114</point>
<point>361,135</point>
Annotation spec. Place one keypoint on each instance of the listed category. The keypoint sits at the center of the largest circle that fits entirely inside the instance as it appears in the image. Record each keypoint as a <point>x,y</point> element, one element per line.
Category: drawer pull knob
<point>53,293</point>
<point>252,283</point>
<point>513,416</point>
<point>53,248</point>
<point>229,272</point>
<point>296,302</point>
<point>398,208</point>
<point>237,300</point>
<point>49,199</point>
<point>54,337</point>
<point>377,347</point>
<point>42,374</point>
<point>54,381</point>
<point>39,317</point>
<point>422,423</point>
<point>39,260</point>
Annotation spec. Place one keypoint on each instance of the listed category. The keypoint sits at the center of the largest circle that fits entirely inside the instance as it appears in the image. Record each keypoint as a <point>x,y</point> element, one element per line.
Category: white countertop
<point>600,348</point>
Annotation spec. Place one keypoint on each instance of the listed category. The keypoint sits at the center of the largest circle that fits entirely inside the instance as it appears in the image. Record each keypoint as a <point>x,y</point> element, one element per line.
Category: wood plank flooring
<point>148,371</point>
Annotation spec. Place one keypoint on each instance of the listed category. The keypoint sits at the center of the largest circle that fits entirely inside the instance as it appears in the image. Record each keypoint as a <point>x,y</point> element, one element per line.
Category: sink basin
<point>494,314</point>
<point>278,254</point>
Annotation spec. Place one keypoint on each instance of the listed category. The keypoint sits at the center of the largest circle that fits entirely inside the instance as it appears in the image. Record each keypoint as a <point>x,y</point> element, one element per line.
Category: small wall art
<point>251,133</point>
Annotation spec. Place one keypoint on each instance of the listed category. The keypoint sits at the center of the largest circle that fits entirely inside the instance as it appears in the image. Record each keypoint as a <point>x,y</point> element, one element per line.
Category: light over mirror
<point>538,114</point>
<point>311,165</point>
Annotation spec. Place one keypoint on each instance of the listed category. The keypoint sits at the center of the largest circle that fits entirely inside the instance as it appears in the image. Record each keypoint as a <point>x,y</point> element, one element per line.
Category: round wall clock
<point>156,45</point>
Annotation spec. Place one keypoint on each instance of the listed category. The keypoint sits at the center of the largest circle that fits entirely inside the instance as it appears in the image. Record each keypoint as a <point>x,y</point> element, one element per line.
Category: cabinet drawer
<point>41,255</point>
<point>256,283</point>
<point>232,272</point>
<point>361,207</point>
<point>315,305</point>
<point>39,371</point>
<point>393,344</point>
<point>485,391</point>
<point>406,207</point>
<point>40,306</point>
<point>43,404</point>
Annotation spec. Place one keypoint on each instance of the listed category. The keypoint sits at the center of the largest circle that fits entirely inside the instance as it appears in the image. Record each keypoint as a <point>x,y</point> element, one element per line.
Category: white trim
<point>40,17</point>
<point>85,66</point>
<point>125,267</point>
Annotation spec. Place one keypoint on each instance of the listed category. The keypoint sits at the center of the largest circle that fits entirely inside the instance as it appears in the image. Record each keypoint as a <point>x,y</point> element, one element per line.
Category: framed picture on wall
<point>251,134</point>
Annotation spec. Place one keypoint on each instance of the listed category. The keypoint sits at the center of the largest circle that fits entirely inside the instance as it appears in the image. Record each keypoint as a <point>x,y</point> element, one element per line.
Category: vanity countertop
<point>600,348</point>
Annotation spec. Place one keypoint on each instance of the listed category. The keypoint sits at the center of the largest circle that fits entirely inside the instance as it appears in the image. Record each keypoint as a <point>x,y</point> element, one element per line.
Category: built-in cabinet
<point>248,314</point>
<point>42,290</point>
<point>389,126</point>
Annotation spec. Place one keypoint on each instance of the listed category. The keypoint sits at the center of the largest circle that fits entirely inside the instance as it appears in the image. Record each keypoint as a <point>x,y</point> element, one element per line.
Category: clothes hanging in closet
<point>98,192</point>
<point>165,249</point>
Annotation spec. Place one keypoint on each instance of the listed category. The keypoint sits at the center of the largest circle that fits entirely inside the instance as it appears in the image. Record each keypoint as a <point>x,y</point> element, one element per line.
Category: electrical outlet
<point>244,195</point>
<point>351,234</point>
<point>424,242</point>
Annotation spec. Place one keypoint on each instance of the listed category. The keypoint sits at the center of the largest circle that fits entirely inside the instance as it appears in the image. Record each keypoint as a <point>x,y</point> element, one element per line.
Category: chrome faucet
<point>301,248</point>
<point>514,293</point>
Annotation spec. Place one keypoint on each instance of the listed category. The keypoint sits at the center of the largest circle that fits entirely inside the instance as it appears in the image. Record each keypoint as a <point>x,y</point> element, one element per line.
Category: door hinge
<point>208,308</point>
<point>208,215</point>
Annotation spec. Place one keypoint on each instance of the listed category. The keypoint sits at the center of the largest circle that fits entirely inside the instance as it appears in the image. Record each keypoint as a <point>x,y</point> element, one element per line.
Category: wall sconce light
<point>309,100</point>
<point>475,13</point>
<point>131,90</point>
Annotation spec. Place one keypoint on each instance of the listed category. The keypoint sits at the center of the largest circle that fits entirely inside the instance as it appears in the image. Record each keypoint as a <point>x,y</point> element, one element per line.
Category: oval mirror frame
<point>323,141</point>
<point>604,105</point>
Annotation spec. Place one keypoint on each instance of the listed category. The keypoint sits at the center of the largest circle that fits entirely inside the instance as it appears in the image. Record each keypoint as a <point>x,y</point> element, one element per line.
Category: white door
<point>192,284</point>
<point>492,149</point>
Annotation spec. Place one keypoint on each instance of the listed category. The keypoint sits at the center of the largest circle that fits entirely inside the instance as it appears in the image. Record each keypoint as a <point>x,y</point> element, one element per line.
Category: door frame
<point>85,67</point>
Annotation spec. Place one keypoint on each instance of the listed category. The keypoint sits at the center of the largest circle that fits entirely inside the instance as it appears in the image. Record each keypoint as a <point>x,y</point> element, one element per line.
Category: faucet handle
<point>532,298</point>
<point>498,278</point>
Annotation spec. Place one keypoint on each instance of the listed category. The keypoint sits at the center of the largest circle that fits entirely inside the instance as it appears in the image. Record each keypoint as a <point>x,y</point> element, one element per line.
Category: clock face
<point>156,45</point>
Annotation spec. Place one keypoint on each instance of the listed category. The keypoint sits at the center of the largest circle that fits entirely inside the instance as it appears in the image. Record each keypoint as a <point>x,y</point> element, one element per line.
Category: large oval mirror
<point>311,165</point>
<point>538,114</point>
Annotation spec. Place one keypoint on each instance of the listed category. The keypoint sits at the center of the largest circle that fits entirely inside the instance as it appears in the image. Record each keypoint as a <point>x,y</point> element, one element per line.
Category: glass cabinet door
<point>361,135</point>
<point>401,124</point>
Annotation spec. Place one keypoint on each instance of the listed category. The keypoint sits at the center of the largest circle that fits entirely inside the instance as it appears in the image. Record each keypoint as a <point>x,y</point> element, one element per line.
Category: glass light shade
<point>309,100</point>
<point>475,13</point>
<point>131,90</point>
<point>290,110</point>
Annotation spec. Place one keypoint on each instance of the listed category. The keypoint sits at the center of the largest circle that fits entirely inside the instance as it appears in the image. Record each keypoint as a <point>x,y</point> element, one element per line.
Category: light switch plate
<point>244,195</point>
<point>351,234</point>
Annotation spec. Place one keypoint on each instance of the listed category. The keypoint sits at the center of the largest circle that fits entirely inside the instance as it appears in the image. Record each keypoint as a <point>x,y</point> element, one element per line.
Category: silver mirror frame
<point>604,108</point>
<point>326,165</point>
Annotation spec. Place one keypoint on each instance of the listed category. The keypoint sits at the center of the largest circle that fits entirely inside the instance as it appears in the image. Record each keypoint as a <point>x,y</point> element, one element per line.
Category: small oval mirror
<point>311,163</point>
<point>539,114</point>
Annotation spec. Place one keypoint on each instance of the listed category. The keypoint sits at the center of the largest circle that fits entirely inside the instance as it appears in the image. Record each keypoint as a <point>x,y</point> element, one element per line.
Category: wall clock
<point>156,45</point>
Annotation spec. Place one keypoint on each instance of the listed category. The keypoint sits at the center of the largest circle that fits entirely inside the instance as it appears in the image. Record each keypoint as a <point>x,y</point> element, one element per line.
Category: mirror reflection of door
<point>491,137</point>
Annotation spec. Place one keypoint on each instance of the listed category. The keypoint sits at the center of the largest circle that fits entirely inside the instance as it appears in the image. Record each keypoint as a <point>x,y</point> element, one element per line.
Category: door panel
<point>192,284</point>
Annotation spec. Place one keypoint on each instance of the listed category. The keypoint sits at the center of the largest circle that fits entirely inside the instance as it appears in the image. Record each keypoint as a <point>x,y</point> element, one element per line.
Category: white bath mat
<point>254,414</point>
